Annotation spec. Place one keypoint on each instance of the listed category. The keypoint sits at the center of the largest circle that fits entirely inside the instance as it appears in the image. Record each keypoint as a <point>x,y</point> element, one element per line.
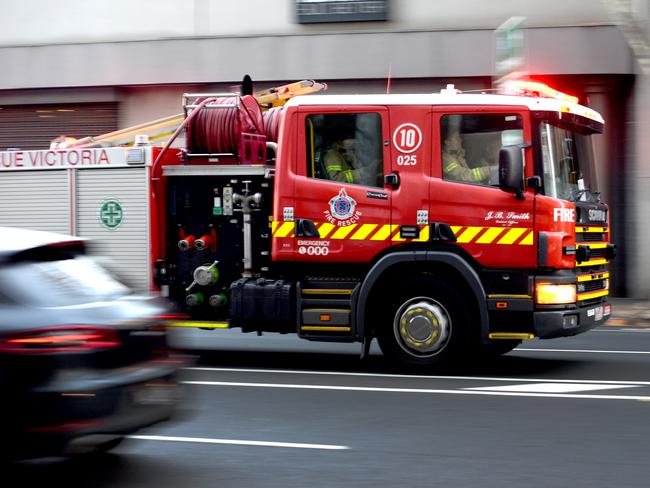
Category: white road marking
<point>589,351</point>
<point>417,390</point>
<point>200,440</point>
<point>550,387</point>
<point>621,329</point>
<point>405,376</point>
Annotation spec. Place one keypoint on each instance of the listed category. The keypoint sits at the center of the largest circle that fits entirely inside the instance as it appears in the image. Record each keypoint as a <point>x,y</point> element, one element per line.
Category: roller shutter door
<point>127,245</point>
<point>35,126</point>
<point>37,200</point>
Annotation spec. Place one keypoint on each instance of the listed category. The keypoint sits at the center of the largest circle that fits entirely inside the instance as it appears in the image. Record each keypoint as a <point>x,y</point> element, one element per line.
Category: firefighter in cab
<point>454,162</point>
<point>341,161</point>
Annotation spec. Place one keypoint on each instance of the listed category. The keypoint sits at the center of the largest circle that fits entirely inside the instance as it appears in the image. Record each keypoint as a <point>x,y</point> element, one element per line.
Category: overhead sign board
<point>320,11</point>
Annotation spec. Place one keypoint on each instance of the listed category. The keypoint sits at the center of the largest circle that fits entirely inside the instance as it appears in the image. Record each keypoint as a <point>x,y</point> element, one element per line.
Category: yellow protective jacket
<point>454,167</point>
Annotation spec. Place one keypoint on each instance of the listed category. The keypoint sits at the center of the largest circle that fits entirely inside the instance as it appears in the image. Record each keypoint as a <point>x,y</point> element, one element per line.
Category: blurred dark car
<point>83,362</point>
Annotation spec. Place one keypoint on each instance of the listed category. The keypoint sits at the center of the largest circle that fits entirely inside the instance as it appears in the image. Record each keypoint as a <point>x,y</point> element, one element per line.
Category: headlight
<point>555,294</point>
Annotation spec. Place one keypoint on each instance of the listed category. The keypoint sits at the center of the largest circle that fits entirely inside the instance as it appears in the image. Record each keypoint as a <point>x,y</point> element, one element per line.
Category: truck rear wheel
<point>428,323</point>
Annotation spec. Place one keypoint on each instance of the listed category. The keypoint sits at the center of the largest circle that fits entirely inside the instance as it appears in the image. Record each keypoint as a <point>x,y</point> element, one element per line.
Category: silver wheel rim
<point>422,327</point>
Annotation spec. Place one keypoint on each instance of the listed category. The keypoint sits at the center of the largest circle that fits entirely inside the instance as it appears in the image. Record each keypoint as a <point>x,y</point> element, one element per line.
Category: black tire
<point>98,449</point>
<point>426,324</point>
<point>495,349</point>
<point>109,445</point>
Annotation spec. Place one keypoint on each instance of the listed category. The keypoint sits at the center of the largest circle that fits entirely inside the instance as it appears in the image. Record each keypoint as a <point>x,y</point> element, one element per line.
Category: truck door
<point>411,165</point>
<point>493,226</point>
<point>342,207</point>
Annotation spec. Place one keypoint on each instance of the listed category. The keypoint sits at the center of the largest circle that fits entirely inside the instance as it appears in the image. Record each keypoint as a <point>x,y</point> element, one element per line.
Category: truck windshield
<point>568,163</point>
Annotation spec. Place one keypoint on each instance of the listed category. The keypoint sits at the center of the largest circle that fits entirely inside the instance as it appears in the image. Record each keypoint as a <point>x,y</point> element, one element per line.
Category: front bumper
<point>557,323</point>
<point>45,421</point>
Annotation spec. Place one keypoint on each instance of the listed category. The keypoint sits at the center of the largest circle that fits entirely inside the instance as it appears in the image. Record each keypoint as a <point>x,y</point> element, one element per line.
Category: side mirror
<point>511,170</point>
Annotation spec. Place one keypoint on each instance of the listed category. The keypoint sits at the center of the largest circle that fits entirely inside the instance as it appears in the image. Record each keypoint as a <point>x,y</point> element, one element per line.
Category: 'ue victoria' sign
<point>68,158</point>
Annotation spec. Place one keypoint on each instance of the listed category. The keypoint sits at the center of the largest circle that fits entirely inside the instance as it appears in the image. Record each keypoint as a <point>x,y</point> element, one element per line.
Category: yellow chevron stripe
<point>383,233</point>
<point>489,235</point>
<point>455,229</point>
<point>285,229</point>
<point>274,226</point>
<point>595,294</point>
<point>593,246</point>
<point>424,235</point>
<point>528,240</point>
<point>468,234</point>
<point>343,232</point>
<point>397,237</point>
<point>595,262</point>
<point>325,229</point>
<point>599,230</point>
<point>592,277</point>
<point>512,235</point>
<point>363,232</point>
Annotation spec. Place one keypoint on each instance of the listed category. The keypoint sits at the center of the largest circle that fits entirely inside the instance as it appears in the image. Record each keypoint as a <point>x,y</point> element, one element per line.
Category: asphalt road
<point>276,411</point>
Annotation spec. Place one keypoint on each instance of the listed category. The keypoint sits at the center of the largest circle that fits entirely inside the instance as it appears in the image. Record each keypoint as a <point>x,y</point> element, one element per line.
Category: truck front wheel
<point>428,323</point>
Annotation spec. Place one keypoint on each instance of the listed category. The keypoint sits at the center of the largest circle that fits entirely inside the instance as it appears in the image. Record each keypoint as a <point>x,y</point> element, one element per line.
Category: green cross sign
<point>111,214</point>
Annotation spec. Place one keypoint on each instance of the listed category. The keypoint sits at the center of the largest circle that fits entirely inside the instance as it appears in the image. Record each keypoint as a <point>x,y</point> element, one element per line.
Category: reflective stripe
<point>468,234</point>
<point>477,173</point>
<point>343,232</point>
<point>383,233</point>
<point>489,235</point>
<point>363,232</point>
<point>592,277</point>
<point>285,229</point>
<point>348,175</point>
<point>595,294</point>
<point>424,235</point>
<point>512,235</point>
<point>452,166</point>
<point>334,167</point>
<point>592,263</point>
<point>325,229</point>
<point>377,232</point>
<point>528,240</point>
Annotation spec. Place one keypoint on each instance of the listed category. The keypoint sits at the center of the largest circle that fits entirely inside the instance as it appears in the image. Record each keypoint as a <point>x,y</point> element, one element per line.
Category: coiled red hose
<point>218,130</point>
<point>272,123</point>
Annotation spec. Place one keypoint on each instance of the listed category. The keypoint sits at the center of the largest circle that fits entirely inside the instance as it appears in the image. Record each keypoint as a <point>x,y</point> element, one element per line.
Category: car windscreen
<point>61,281</point>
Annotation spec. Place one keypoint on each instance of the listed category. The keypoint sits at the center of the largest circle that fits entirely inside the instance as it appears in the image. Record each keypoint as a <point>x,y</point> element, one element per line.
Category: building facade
<point>86,68</point>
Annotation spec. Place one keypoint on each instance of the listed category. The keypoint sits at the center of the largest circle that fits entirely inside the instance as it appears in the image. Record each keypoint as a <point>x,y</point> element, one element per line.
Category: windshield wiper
<point>594,196</point>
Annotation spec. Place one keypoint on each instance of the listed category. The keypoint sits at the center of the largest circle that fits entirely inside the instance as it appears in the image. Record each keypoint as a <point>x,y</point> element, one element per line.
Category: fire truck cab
<point>443,225</point>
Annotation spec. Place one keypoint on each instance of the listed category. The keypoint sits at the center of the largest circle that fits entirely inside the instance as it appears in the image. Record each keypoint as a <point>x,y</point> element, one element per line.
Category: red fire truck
<point>444,225</point>
<point>440,224</point>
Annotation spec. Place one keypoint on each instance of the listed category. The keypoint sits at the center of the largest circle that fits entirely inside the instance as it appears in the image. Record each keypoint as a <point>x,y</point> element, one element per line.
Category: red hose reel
<point>229,126</point>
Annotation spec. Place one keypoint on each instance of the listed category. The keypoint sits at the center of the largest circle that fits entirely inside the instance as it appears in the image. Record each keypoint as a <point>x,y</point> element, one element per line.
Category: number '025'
<point>407,160</point>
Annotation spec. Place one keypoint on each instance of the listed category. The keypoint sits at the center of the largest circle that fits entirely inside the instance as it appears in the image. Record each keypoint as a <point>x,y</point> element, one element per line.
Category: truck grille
<point>591,286</point>
<point>597,253</point>
<point>590,237</point>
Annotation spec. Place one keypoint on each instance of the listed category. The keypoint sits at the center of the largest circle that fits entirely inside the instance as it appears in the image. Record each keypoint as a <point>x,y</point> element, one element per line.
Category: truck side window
<point>345,148</point>
<point>471,143</point>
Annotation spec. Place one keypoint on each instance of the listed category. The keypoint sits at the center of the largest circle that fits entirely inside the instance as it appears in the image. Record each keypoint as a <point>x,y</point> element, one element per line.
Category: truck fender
<point>396,258</point>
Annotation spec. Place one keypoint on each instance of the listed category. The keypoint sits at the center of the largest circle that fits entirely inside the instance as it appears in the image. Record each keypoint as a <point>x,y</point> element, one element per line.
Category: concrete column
<point>638,222</point>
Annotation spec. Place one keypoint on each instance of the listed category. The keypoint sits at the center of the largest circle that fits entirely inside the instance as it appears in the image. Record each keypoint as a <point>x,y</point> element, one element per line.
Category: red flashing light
<point>536,89</point>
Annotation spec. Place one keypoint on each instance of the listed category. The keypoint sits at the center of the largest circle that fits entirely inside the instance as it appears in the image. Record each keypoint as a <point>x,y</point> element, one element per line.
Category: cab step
<point>325,309</point>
